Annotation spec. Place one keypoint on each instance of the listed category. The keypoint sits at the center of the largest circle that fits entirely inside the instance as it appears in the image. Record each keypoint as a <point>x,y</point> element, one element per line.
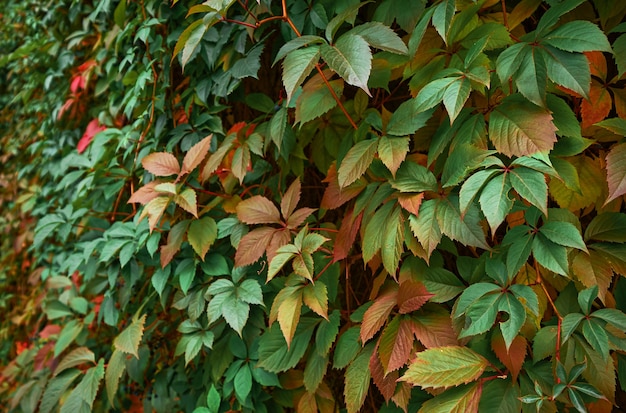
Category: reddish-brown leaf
<point>258,210</point>
<point>346,235</point>
<point>386,384</point>
<point>434,329</point>
<point>145,194</point>
<point>174,241</point>
<point>403,396</point>
<point>597,64</point>
<point>334,196</point>
<point>514,357</point>
<point>600,406</point>
<point>298,217</point>
<point>619,98</point>
<point>290,199</point>
<point>598,106</point>
<point>196,155</point>
<point>411,202</point>
<point>161,164</point>
<point>395,344</point>
<point>251,246</point>
<point>412,295</point>
<point>279,238</point>
<point>307,403</point>
<point>616,172</point>
<point>376,316</point>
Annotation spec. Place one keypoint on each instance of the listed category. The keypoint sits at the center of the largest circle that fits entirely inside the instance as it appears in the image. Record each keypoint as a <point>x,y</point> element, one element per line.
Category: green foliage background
<point>312,206</point>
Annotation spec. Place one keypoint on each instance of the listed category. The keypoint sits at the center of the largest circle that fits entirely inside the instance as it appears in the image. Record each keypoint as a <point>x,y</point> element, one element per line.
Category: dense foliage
<point>313,205</point>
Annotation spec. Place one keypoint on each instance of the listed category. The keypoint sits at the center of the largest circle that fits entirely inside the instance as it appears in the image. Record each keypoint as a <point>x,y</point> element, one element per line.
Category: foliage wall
<point>312,206</point>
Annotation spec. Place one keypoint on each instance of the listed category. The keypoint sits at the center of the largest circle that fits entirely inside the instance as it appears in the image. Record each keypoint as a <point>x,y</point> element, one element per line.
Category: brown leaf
<point>402,396</point>
<point>593,269</point>
<point>386,384</point>
<point>161,164</point>
<point>307,403</point>
<point>412,295</point>
<point>334,197</point>
<point>376,316</point>
<point>616,172</point>
<point>597,64</point>
<point>290,199</point>
<point>514,357</point>
<point>411,202</point>
<point>395,344</point>
<point>346,235</point>
<point>434,329</point>
<point>258,210</point>
<point>297,218</point>
<point>250,247</point>
<point>281,237</point>
<point>196,155</point>
<point>145,194</point>
<point>619,98</point>
<point>598,106</point>
<point>174,241</point>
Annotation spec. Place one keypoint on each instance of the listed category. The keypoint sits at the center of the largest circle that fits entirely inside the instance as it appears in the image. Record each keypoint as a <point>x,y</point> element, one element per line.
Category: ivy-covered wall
<point>293,205</point>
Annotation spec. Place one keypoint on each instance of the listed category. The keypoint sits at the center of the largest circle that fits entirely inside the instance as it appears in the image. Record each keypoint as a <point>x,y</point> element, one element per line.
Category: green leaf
<point>517,316</point>
<point>465,229</point>
<point>191,37</point>
<point>530,185</point>
<point>544,343</point>
<point>460,399</point>
<point>187,200</point>
<point>481,315</point>
<point>86,391</point>
<point>563,233</point>
<point>326,333</point>
<point>596,336</point>
<point>551,17</point>
<point>509,61</point>
<point>235,312</point>
<point>114,371</point>
<point>392,240</point>
<point>550,255</point>
<point>243,382</point>
<point>250,292</point>
<point>432,94</point>
<point>75,358</point>
<point>519,251</point>
<point>358,378</point>
<point>392,152</point>
<point>406,120</point>
<point>278,262</point>
<point>348,345</point>
<point>616,172</point>
<point>70,331</point>
<point>442,17</point>
<point>569,325</point>
<point>532,76</point>
<point>619,52</point>
<point>519,128</point>
<point>472,294</point>
<point>346,15</point>
<point>249,65</point>
<point>463,159</point>
<point>297,67</point>
<point>274,356</point>
<point>295,44</point>
<point>578,36</point>
<point>425,226</point>
<point>213,400</point>
<point>56,387</point>
<point>128,340</point>
<point>495,202</point>
<point>381,37</point>
<point>356,161</point>
<point>500,396</point>
<point>456,95</point>
<point>316,99</point>
<point>201,235</point>
<point>568,70</point>
<point>351,59</point>
<point>315,370</point>
<point>472,186</point>
<point>413,177</point>
<point>564,117</point>
<point>445,366</point>
<point>612,316</point>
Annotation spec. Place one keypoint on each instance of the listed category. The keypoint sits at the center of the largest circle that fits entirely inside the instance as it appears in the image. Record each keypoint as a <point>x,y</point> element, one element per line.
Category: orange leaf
<point>597,64</point>
<point>258,210</point>
<point>279,238</point>
<point>377,314</point>
<point>619,98</point>
<point>412,295</point>
<point>395,344</point>
<point>434,329</point>
<point>616,172</point>
<point>512,359</point>
<point>161,164</point>
<point>297,218</point>
<point>196,155</point>
<point>290,200</point>
<point>386,384</point>
<point>598,106</point>
<point>411,202</point>
<point>346,235</point>
<point>334,196</point>
<point>250,247</point>
<point>145,194</point>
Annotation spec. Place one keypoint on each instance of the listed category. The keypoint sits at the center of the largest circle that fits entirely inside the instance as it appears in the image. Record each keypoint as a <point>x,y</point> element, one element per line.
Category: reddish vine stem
<point>504,16</point>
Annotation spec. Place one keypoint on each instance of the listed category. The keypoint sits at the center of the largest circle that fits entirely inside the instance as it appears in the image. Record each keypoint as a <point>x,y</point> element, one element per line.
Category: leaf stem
<point>557,350</point>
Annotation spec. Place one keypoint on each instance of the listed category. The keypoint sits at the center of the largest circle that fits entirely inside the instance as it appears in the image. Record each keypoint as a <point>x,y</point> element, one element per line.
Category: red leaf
<point>334,196</point>
<point>377,314</point>
<point>512,359</point>
<point>346,235</point>
<point>93,128</point>
<point>258,210</point>
<point>598,106</point>
<point>434,329</point>
<point>412,295</point>
<point>78,83</point>
<point>161,164</point>
<point>250,247</point>
<point>396,343</point>
<point>145,194</point>
<point>386,384</point>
